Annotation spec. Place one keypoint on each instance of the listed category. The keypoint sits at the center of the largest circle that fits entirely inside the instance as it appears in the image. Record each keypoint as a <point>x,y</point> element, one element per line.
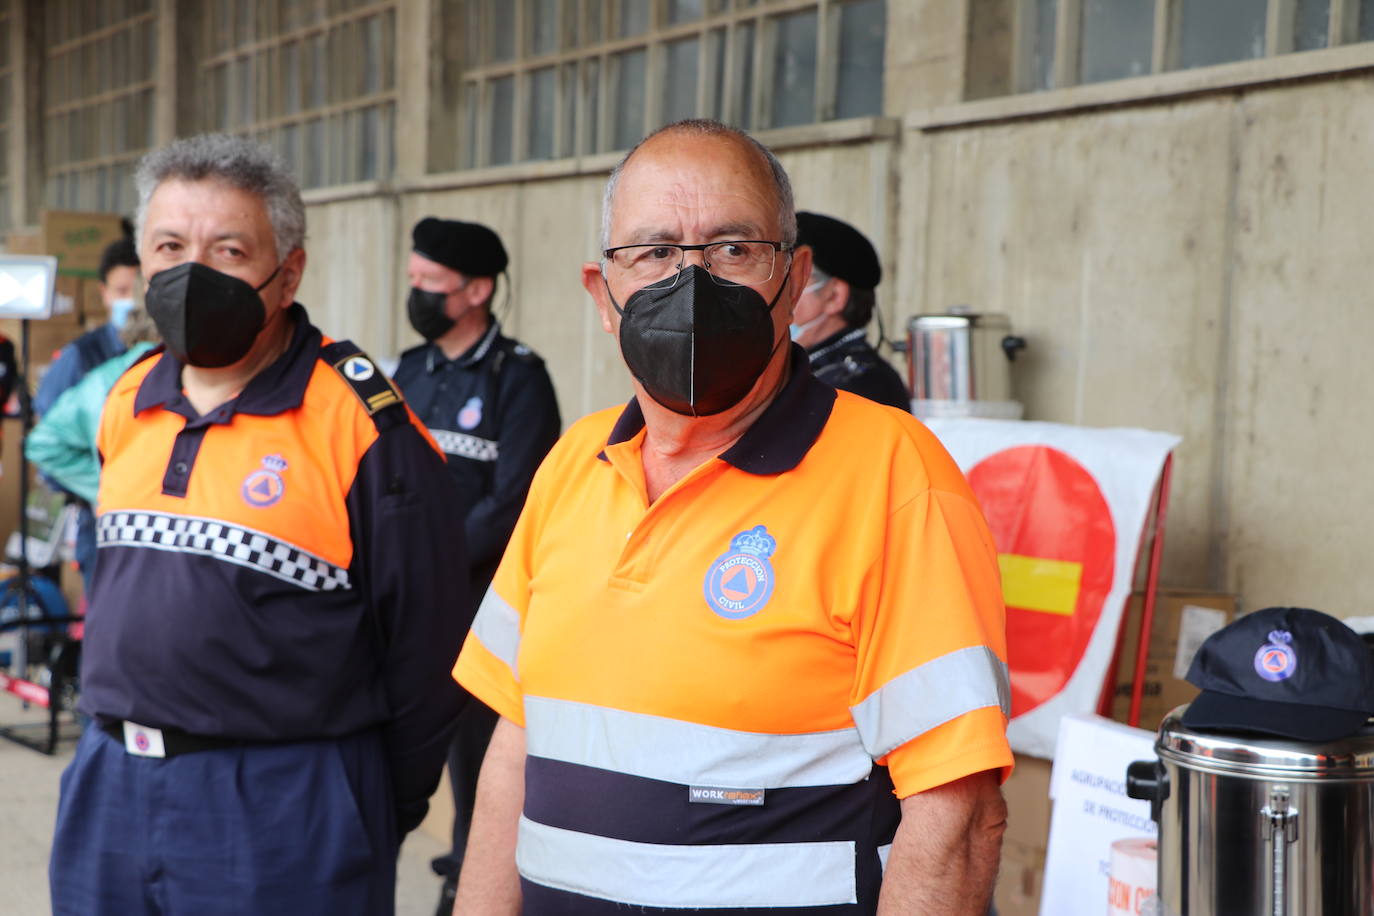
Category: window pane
<point>543,25</point>
<point>502,18</point>
<point>471,103</point>
<point>1037,64</point>
<point>591,82</point>
<point>500,150</point>
<point>291,78</point>
<point>859,85</point>
<point>794,70</point>
<point>372,55</point>
<point>680,80</point>
<point>1218,31</point>
<point>633,17</point>
<point>744,75</point>
<point>472,33</point>
<point>541,83</point>
<point>591,21</point>
<point>627,91</point>
<point>715,72</point>
<point>684,10</point>
<point>567,103</point>
<point>1118,39</point>
<point>1311,24</point>
<point>1366,32</point>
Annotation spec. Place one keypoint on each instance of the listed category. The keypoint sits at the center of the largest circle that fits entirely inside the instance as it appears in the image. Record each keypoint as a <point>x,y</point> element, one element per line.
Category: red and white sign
<point>1067,507</point>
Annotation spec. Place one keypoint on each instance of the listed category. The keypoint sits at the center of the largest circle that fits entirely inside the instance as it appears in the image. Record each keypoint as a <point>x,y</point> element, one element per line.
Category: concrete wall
<point>1194,266</point>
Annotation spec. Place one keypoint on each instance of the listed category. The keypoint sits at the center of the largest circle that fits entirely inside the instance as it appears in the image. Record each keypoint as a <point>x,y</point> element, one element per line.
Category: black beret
<point>469,248</point>
<point>840,250</point>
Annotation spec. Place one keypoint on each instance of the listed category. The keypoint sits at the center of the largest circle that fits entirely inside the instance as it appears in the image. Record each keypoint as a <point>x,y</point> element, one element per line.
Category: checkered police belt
<point>209,537</point>
<point>465,446</point>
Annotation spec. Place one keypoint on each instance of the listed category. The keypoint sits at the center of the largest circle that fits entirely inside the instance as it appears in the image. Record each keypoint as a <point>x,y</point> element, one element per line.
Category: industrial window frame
<point>1066,68</point>
<point>583,65</point>
<point>321,141</point>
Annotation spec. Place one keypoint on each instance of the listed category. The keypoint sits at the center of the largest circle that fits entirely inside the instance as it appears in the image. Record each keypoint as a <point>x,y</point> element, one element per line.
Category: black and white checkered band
<point>465,446</point>
<point>213,538</point>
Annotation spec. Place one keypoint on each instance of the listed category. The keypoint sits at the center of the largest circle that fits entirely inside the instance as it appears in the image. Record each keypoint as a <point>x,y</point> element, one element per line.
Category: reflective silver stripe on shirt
<point>687,877</point>
<point>209,537</point>
<point>464,446</point>
<point>497,627</point>
<point>884,852</point>
<point>688,753</point>
<point>941,690</point>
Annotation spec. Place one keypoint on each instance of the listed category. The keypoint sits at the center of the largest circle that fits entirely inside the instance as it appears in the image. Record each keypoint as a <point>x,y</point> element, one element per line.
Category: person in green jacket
<point>62,445</point>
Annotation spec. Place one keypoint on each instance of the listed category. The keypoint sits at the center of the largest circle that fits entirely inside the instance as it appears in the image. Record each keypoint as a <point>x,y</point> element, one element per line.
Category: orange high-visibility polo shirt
<point>716,686</point>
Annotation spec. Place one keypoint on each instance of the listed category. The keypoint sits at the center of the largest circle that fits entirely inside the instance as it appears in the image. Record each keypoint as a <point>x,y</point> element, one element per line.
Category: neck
<point>206,389</point>
<point>675,444</point>
<point>823,330</point>
<point>464,333</point>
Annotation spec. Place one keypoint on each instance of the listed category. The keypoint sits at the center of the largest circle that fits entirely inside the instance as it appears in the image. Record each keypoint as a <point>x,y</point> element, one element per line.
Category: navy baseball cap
<point>1286,671</point>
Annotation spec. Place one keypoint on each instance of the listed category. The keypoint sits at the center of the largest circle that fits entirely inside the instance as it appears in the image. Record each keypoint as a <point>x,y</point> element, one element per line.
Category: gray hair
<point>238,162</point>
<point>782,186</point>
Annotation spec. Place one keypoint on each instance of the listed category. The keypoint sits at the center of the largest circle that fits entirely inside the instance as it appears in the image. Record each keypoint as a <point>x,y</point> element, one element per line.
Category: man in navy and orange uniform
<point>835,308</point>
<point>747,641</point>
<point>489,404</point>
<point>277,598</point>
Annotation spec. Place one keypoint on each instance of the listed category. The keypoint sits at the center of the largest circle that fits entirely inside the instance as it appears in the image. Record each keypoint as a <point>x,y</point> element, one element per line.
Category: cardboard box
<point>1021,876</point>
<point>78,239</point>
<point>1183,619</point>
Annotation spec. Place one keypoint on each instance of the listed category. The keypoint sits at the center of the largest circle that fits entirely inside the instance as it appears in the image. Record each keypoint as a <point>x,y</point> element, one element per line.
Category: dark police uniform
<point>846,361</point>
<point>493,412</point>
<point>273,620</point>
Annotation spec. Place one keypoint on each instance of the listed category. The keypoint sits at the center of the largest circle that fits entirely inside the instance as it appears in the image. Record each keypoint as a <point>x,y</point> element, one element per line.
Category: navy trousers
<point>291,829</point>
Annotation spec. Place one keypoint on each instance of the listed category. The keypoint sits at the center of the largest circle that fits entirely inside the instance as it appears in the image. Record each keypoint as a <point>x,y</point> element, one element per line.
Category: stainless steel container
<point>1260,827</point>
<point>960,356</point>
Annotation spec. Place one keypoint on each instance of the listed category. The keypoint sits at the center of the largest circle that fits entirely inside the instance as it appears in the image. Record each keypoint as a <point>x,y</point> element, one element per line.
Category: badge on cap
<point>1276,660</point>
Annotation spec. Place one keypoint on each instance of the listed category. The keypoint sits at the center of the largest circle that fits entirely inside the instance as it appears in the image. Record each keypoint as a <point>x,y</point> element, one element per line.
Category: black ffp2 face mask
<point>206,318</point>
<point>427,313</point>
<point>699,344</point>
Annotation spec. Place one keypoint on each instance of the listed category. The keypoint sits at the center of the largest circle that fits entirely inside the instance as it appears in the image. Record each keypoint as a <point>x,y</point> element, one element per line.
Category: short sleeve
<point>931,694</point>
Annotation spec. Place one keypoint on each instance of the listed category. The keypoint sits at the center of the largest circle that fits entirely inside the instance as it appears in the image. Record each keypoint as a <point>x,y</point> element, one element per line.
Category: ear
<point>292,271</point>
<point>836,297</point>
<point>594,282</point>
<point>798,278</point>
<point>478,290</point>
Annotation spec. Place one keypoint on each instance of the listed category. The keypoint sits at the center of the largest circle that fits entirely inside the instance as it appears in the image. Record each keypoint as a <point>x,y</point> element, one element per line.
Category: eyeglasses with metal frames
<point>744,261</point>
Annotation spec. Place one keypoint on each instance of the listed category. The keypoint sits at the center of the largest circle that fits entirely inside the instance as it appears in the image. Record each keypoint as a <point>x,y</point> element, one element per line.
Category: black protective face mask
<point>426,312</point>
<point>206,318</point>
<point>699,344</point>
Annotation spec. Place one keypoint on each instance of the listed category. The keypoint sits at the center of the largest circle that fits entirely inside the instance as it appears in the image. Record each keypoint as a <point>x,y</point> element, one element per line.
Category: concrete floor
<point>28,806</point>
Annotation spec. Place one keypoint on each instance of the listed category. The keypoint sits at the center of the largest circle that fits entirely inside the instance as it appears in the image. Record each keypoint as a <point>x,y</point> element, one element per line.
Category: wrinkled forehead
<point>206,200</point>
<point>713,187</point>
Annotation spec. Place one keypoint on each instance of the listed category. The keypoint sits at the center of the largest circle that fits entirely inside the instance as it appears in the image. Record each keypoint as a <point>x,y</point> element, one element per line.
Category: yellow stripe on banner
<point>1037,584</point>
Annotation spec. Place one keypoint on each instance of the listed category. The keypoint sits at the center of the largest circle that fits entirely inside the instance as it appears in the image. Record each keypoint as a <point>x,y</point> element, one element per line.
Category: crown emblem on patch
<point>1280,636</point>
<point>274,463</point>
<point>756,541</point>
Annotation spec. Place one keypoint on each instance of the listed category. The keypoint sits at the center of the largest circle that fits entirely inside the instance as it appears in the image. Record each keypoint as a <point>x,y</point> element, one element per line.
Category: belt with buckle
<point>146,741</point>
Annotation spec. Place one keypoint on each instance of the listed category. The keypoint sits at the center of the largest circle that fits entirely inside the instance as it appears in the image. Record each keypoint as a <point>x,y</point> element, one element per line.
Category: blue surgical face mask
<point>797,330</point>
<point>120,309</point>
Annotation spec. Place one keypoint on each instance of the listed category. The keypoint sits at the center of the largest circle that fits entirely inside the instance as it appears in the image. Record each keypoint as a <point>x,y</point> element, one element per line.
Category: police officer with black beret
<point>490,405</point>
<point>835,307</point>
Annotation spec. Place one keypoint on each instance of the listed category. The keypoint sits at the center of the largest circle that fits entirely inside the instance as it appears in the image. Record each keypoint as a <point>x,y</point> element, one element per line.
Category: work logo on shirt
<point>740,581</point>
<point>265,486</point>
<point>471,414</point>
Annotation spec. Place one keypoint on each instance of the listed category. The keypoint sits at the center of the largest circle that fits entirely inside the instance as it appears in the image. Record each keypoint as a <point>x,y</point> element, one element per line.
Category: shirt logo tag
<point>715,795</point>
<point>740,581</point>
<point>143,741</point>
<point>471,414</point>
<point>1276,660</point>
<point>359,369</point>
<point>265,486</point>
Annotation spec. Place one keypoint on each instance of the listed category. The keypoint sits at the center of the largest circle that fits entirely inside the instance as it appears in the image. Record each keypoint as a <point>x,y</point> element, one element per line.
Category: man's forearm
<point>945,855</point>
<point>489,884</point>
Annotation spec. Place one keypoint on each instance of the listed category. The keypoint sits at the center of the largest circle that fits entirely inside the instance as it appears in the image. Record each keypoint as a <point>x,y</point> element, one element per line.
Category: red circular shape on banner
<point>1041,503</point>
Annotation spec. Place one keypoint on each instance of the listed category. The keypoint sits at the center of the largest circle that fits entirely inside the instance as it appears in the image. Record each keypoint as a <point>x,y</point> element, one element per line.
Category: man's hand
<point>489,884</point>
<point>944,859</point>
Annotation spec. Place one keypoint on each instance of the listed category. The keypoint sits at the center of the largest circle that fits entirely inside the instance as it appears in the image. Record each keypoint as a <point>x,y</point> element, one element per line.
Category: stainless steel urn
<point>961,356</point>
<point>1253,826</point>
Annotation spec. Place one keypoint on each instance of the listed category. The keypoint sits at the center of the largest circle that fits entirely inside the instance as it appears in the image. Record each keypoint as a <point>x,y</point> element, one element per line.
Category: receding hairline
<point>764,163</point>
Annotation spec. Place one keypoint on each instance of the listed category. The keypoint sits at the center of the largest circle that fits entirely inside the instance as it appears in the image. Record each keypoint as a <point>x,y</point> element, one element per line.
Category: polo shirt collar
<point>435,359</point>
<point>782,435</point>
<point>276,389</point>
